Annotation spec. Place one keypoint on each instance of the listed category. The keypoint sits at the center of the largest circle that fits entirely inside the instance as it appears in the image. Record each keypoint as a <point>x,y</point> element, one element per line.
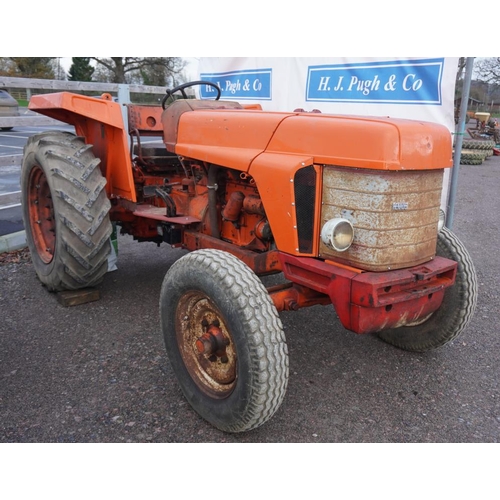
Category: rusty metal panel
<point>145,119</point>
<point>395,215</point>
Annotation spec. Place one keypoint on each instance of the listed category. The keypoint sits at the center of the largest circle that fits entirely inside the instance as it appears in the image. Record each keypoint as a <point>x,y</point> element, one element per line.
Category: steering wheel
<point>180,88</point>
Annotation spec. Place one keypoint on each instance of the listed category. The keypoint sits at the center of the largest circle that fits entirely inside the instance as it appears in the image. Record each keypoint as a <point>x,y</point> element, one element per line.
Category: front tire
<point>224,339</point>
<point>456,310</point>
<point>65,211</point>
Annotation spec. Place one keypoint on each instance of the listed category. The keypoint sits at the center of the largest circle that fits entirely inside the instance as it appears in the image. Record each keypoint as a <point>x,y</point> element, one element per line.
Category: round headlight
<point>337,234</point>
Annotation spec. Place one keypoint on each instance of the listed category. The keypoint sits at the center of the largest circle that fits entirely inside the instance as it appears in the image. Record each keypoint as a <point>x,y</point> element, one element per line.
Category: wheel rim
<point>206,345</point>
<point>41,214</point>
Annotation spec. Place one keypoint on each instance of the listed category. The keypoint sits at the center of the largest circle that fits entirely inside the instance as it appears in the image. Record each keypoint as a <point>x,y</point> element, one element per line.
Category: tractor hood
<point>224,133</point>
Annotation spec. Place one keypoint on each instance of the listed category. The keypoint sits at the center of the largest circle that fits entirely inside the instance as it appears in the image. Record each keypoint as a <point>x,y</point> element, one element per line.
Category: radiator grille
<point>394,213</point>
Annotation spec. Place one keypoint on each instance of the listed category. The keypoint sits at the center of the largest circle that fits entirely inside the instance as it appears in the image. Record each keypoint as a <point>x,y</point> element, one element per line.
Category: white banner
<point>414,88</point>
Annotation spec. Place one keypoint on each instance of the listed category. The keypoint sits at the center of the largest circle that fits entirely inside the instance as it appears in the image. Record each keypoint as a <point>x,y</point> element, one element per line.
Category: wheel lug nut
<point>224,359</point>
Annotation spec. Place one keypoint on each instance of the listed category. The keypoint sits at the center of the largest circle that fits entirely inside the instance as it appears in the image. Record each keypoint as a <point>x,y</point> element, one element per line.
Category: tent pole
<point>459,141</point>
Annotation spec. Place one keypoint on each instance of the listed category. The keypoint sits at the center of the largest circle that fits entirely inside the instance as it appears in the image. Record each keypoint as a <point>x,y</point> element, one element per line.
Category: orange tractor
<point>250,193</point>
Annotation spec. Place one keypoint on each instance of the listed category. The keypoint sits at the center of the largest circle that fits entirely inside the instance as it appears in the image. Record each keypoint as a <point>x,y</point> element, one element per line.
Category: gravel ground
<point>98,372</point>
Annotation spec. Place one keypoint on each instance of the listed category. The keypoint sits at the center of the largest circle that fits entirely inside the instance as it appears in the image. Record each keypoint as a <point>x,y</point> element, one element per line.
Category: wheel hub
<point>205,345</point>
<point>41,215</point>
<point>213,343</point>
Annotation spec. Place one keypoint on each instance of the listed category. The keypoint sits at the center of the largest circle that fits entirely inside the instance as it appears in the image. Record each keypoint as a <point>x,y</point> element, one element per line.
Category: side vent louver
<point>305,197</point>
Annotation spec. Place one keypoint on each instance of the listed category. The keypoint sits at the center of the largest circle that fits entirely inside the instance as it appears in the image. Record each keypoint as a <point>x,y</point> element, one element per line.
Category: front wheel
<point>224,339</point>
<point>456,310</point>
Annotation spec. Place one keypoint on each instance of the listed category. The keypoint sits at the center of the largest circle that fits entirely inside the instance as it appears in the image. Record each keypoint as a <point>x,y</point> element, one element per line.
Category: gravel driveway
<point>98,372</point>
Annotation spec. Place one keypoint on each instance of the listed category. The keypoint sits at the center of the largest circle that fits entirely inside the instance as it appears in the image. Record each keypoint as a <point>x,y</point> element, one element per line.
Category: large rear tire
<point>65,211</point>
<point>224,339</point>
<point>456,310</point>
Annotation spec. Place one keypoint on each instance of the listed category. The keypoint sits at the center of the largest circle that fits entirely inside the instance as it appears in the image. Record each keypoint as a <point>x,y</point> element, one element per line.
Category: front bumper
<point>368,302</point>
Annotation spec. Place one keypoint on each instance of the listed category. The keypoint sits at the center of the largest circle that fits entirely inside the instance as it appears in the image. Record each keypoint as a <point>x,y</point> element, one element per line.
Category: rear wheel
<point>456,310</point>
<point>65,211</point>
<point>224,340</point>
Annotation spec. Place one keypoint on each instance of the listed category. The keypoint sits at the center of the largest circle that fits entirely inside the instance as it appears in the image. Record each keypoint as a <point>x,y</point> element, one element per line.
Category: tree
<point>80,70</point>
<point>6,66</point>
<point>487,72</point>
<point>33,67</point>
<point>147,70</point>
<point>488,69</point>
<point>460,75</point>
<point>154,74</point>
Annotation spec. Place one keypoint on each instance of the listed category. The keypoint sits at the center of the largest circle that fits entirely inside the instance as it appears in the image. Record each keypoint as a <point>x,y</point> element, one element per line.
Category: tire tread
<point>456,311</point>
<point>81,208</point>
<point>262,326</point>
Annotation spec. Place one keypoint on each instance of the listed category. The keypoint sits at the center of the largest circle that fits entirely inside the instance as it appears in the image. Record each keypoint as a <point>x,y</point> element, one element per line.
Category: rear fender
<point>100,122</point>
